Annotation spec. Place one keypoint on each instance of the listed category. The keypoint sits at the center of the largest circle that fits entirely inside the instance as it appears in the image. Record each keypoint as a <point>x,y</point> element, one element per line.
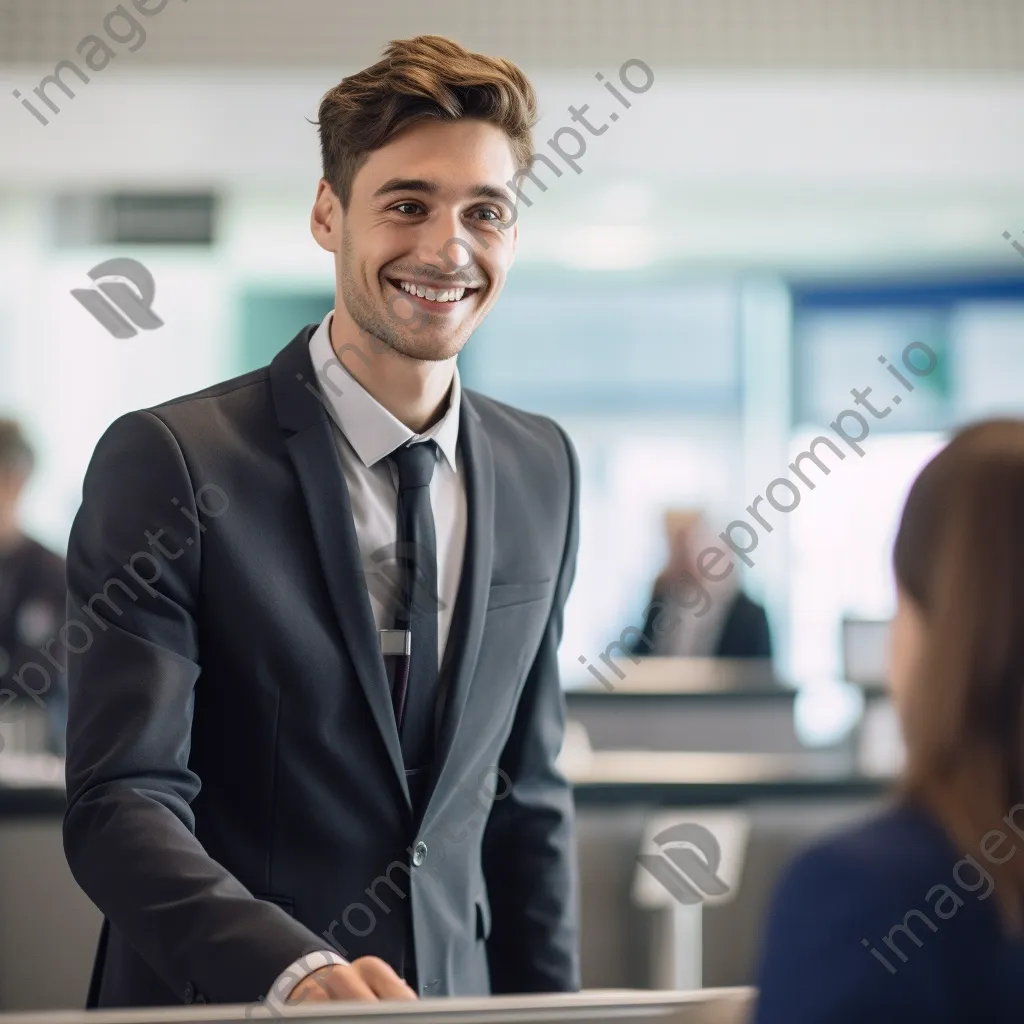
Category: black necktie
<point>416,677</point>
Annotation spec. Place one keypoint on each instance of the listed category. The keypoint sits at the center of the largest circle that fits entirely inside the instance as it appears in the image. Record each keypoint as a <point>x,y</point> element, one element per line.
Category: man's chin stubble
<point>416,347</point>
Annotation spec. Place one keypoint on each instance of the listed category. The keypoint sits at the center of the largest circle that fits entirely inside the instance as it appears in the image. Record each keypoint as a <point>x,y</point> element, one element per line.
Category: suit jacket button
<point>189,992</point>
<point>419,853</point>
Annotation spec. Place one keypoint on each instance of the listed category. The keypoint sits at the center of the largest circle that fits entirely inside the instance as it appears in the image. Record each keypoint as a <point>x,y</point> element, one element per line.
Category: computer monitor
<point>866,651</point>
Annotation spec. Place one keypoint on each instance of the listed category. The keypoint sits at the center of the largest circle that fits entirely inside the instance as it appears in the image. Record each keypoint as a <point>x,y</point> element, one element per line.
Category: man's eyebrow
<point>492,192</point>
<point>432,188</point>
<point>407,185</point>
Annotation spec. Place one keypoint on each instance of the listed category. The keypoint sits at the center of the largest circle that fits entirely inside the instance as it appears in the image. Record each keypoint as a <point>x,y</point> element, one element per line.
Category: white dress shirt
<point>366,433</point>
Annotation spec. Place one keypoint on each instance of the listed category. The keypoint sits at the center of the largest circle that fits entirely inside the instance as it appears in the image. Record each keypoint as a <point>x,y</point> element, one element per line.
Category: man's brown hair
<point>419,78</point>
<point>959,555</point>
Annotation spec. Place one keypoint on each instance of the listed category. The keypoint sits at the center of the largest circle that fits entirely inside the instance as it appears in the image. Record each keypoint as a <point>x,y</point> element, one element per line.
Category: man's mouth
<point>431,297</point>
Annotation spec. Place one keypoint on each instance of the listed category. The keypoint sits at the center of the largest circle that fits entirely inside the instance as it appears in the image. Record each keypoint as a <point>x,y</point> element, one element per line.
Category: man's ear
<point>325,219</point>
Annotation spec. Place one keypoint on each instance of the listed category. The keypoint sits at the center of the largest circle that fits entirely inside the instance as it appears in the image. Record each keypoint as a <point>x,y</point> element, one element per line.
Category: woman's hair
<point>959,555</point>
<point>420,78</point>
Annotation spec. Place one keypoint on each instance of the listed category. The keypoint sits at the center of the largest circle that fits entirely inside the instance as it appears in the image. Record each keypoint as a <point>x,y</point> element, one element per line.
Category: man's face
<point>686,532</point>
<point>430,210</point>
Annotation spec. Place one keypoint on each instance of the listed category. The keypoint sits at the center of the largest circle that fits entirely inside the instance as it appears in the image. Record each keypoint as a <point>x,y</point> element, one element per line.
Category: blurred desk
<point>48,928</point>
<point>25,802</point>
<point>660,778</point>
<point>788,797</point>
<point>789,800</point>
<point>687,675</point>
<point>25,729</point>
<point>31,785</point>
<point>691,704</point>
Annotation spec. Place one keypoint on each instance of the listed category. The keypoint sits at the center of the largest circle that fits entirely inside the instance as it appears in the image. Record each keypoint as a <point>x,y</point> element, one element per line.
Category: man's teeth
<point>448,295</point>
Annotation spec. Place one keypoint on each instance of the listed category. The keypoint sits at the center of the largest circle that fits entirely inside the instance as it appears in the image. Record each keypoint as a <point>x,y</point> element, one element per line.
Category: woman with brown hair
<point>919,914</point>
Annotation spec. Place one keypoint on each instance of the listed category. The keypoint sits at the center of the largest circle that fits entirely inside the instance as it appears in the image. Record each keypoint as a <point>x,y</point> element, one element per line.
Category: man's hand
<point>368,979</point>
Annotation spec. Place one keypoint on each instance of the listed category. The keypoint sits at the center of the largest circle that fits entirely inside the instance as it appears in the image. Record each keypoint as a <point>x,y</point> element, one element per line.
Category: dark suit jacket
<point>878,882</point>
<point>236,792</point>
<point>745,632</point>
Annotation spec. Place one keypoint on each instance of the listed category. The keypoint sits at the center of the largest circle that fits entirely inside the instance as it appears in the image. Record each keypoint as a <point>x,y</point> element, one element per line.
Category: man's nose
<point>444,242</point>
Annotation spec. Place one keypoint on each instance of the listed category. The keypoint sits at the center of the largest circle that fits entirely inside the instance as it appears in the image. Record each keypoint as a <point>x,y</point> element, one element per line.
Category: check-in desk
<point>48,933</point>
<point>48,927</point>
<point>731,1006</point>
<point>781,803</point>
<point>694,704</point>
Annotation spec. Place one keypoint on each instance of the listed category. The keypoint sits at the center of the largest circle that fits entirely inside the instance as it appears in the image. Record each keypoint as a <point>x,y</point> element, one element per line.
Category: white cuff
<point>298,971</point>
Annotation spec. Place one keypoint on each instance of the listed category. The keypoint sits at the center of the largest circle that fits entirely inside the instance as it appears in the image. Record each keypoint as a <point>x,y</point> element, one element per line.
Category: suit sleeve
<point>133,572</point>
<point>816,968</point>
<point>529,853</point>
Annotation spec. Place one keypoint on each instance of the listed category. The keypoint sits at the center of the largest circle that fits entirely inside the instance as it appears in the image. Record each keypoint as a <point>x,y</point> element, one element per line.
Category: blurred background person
<point>32,589</point>
<point>919,914</point>
<point>724,623</point>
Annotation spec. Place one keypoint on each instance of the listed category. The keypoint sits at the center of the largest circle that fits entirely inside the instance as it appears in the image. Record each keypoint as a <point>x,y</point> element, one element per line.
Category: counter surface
<point>616,777</point>
<point>613,777</point>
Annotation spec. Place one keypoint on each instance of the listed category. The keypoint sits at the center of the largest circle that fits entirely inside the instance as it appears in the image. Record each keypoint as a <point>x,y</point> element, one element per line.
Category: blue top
<point>934,948</point>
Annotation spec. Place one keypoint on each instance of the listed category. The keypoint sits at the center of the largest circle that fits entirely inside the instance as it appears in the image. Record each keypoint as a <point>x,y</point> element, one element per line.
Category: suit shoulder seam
<point>184,465</point>
<point>217,391</point>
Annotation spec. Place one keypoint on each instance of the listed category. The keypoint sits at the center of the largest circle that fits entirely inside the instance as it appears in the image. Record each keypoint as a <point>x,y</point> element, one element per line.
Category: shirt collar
<point>371,430</point>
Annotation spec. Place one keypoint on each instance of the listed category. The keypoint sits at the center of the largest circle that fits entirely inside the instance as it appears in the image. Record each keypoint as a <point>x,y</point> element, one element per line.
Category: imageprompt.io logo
<point>122,298</point>
<point>687,866</point>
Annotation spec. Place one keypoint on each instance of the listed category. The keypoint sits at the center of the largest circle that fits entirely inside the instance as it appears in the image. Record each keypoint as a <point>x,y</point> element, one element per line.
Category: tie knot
<point>415,464</point>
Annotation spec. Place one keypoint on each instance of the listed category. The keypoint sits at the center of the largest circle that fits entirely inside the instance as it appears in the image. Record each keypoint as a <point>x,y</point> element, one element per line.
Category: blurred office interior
<point>805,187</point>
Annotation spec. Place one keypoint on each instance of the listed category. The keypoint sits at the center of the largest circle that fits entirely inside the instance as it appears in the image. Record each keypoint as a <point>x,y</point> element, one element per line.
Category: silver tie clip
<point>395,641</point>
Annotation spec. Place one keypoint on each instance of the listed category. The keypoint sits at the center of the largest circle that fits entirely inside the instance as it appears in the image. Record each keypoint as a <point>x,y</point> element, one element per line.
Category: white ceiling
<point>764,141</point>
<point>546,34</point>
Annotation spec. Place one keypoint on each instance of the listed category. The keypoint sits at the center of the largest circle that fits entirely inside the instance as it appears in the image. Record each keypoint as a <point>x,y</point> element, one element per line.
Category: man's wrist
<point>301,969</point>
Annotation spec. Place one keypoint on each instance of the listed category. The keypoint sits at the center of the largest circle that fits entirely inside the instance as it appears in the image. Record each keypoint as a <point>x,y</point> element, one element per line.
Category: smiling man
<point>292,776</point>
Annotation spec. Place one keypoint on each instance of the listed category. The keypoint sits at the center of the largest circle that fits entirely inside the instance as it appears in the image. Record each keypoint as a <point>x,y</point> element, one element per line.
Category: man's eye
<point>398,206</point>
<point>494,215</point>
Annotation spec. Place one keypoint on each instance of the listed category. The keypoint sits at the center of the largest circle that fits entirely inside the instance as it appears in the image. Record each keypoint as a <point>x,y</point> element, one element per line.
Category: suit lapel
<point>463,646</point>
<point>313,450</point>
